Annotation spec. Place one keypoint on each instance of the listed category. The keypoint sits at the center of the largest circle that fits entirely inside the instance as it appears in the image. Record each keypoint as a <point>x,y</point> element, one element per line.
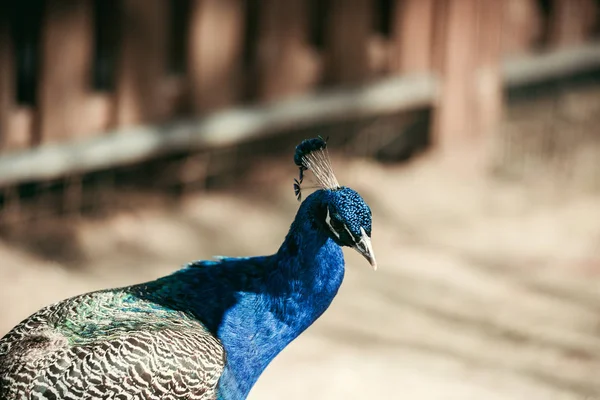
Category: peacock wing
<point>174,359</point>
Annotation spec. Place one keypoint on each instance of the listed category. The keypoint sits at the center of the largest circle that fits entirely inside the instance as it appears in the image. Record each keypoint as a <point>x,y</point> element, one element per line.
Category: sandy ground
<point>487,289</point>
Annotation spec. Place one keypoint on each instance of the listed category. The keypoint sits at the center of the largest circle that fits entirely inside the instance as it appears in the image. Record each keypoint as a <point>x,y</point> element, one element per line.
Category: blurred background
<point>136,136</point>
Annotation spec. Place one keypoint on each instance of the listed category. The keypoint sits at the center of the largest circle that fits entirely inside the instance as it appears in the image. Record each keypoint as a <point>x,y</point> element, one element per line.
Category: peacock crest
<point>312,154</point>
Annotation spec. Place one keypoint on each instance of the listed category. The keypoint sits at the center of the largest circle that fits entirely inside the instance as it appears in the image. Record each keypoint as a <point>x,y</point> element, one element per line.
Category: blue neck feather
<point>264,302</point>
<point>307,272</point>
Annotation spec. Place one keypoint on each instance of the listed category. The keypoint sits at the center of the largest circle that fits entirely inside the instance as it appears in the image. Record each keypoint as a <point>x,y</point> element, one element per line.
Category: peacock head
<point>346,217</point>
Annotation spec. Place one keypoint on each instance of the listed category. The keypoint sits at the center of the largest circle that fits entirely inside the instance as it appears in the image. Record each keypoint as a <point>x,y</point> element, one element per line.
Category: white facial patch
<point>328,222</point>
<point>350,234</point>
<point>337,235</point>
<point>365,242</point>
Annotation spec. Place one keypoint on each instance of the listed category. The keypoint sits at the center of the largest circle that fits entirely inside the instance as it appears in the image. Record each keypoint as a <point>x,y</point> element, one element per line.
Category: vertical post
<point>522,26</point>
<point>16,122</point>
<point>471,99</point>
<point>142,70</point>
<point>25,37</point>
<point>66,69</point>
<point>440,27</point>
<point>349,32</point>
<point>286,64</point>
<point>215,53</point>
<point>6,75</point>
<point>453,118</point>
<point>413,36</point>
<point>488,85</point>
<point>571,21</point>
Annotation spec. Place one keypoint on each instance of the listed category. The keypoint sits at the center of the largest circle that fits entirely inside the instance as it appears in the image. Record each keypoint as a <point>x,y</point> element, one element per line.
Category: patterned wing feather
<point>173,359</point>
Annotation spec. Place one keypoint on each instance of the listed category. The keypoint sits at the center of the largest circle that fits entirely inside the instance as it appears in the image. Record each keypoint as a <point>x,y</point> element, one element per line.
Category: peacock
<point>208,330</point>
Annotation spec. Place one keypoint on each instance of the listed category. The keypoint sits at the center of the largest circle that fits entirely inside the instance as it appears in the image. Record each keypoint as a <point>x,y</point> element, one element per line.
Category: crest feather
<point>312,155</point>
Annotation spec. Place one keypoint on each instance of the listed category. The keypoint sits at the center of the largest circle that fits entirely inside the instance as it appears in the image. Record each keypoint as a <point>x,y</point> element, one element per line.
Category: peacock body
<point>206,331</point>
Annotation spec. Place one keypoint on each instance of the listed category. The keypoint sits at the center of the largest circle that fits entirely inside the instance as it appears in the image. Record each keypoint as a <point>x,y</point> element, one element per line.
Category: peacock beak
<point>364,247</point>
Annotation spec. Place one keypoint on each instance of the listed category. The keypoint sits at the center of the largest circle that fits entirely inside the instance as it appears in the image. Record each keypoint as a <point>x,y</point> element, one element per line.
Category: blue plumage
<point>349,208</point>
<point>208,330</point>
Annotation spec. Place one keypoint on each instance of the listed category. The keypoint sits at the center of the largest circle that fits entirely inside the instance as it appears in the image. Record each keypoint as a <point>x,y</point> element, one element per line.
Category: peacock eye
<point>336,223</point>
<point>333,222</point>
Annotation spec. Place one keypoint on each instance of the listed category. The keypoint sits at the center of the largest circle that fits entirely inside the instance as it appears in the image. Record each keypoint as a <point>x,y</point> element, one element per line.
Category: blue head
<point>348,220</point>
<point>343,214</point>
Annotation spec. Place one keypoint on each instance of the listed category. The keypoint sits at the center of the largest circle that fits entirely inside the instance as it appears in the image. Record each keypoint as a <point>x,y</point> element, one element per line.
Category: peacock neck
<point>301,281</point>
